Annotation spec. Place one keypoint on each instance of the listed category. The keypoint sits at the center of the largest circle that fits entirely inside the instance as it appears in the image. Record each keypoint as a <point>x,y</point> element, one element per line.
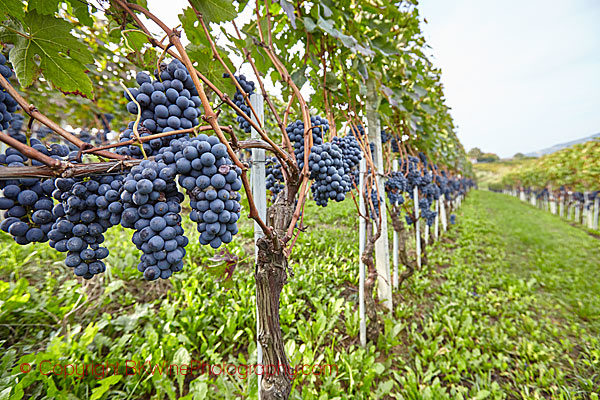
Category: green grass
<point>493,172</point>
<point>508,308</point>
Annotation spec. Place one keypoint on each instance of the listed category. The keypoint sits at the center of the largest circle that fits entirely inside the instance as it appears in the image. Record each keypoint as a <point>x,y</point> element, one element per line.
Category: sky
<point>519,75</point>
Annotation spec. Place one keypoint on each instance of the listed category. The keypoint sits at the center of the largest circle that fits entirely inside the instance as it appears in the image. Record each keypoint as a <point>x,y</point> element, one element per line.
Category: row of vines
<point>566,183</point>
<point>110,123</point>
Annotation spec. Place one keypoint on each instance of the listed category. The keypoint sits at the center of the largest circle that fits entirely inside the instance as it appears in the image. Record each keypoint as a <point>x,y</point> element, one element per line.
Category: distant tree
<point>475,152</point>
<point>519,156</point>
<point>488,157</point>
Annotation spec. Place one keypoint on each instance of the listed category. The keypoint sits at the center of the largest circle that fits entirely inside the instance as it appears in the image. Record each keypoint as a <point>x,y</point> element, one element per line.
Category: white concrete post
<point>259,192</point>
<point>417,230</point>
<point>382,250</point>
<point>596,212</point>
<point>443,214</point>
<point>395,244</point>
<point>436,231</point>
<point>561,205</point>
<point>362,233</point>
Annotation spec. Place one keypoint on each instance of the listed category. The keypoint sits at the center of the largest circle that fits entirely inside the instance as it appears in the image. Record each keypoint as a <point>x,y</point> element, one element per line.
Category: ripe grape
<point>211,181</point>
<point>8,105</point>
<point>151,205</point>
<point>83,216</point>
<point>168,103</point>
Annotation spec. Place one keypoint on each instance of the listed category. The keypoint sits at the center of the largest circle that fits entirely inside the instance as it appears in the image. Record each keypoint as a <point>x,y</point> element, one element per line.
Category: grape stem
<point>30,152</point>
<point>63,169</point>
<point>137,120</point>
<point>148,138</point>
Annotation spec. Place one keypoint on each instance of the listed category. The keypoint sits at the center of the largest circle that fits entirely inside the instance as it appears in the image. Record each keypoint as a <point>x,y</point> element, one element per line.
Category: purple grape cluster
<point>248,87</point>
<point>352,154</point>
<point>274,176</point>
<point>83,215</point>
<point>8,105</point>
<point>331,164</point>
<point>211,181</point>
<point>395,185</point>
<point>169,102</point>
<point>326,165</point>
<point>151,205</point>
<point>28,202</point>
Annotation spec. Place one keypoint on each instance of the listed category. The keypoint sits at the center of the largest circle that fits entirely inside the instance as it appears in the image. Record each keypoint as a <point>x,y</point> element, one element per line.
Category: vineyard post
<point>532,199</point>
<point>443,215</point>
<point>426,235</point>
<point>382,252</point>
<point>577,213</point>
<point>561,205</point>
<point>586,214</point>
<point>417,230</point>
<point>362,237</point>
<point>259,192</point>
<point>590,215</point>
<point>522,196</point>
<point>596,212</point>
<point>436,231</point>
<point>395,240</point>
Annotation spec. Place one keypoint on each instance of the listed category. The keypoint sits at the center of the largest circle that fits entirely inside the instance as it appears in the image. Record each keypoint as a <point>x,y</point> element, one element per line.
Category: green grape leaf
<point>46,7</point>
<point>211,68</point>
<point>299,77</point>
<point>309,24</point>
<point>82,12</point>
<point>215,10</point>
<point>288,8</point>
<point>192,28</point>
<point>13,8</point>
<point>61,56</point>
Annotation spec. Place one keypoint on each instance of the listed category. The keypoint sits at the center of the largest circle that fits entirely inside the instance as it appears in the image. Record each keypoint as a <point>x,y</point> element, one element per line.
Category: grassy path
<point>507,309</point>
<point>512,313</point>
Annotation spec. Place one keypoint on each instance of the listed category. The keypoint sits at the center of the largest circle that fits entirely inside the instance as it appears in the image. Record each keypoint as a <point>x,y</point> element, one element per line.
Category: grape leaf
<point>192,28</point>
<point>13,8</point>
<point>299,77</point>
<point>309,24</point>
<point>62,57</point>
<point>47,7</point>
<point>215,10</point>
<point>289,10</point>
<point>211,68</point>
<point>81,12</point>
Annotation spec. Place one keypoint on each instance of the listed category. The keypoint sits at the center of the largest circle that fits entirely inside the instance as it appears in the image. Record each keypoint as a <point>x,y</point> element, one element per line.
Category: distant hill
<point>561,146</point>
